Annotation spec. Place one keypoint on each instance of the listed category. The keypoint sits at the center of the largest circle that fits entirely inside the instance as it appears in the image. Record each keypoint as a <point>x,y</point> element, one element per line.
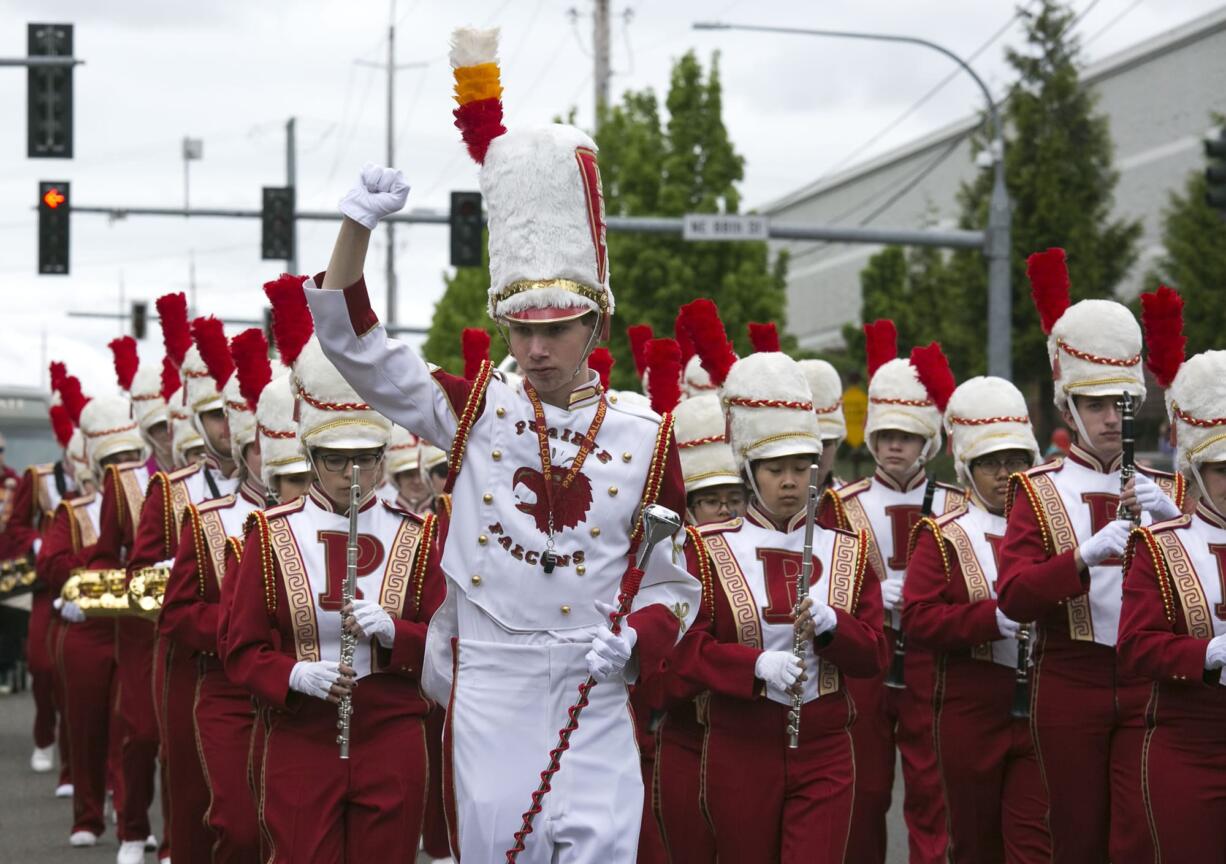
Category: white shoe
<point>165,860</point>
<point>151,843</point>
<point>42,759</point>
<point>83,838</point>
<point>131,852</point>
<point>64,790</point>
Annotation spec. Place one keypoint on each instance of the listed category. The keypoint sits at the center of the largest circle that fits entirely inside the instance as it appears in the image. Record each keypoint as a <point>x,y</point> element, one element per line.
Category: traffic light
<point>49,93</point>
<point>1215,171</point>
<point>53,207</point>
<point>140,318</point>
<point>467,241</point>
<point>278,223</point>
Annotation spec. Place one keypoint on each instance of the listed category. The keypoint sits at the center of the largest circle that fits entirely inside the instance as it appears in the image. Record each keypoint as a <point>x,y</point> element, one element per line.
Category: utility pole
<point>600,54</point>
<point>291,180</point>
<point>392,69</point>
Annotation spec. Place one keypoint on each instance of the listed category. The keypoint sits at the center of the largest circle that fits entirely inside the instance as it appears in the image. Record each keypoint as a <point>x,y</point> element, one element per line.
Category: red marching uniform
<point>286,609</point>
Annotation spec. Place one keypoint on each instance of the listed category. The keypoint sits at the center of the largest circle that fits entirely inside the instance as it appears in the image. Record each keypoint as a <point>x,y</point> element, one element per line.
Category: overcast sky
<point>232,71</point>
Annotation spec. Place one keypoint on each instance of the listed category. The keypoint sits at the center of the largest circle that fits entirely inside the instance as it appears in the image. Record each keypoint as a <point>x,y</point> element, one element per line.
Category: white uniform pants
<point>508,704</point>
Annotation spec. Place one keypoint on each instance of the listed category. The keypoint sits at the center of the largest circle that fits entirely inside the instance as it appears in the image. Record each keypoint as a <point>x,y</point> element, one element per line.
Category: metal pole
<point>997,245</point>
<point>291,180</point>
<point>600,53</point>
<point>391,159</point>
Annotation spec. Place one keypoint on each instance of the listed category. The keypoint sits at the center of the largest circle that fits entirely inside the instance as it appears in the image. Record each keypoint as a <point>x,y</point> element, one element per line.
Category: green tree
<point>462,305</point>
<point>1194,263</point>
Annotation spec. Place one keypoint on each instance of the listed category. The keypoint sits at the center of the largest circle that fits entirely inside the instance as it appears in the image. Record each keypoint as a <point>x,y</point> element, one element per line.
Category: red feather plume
<point>170,377</point>
<point>684,342</point>
<point>73,399</point>
<point>292,324</point>
<point>210,336</point>
<point>1162,317</point>
<point>1049,285</point>
<point>58,372</point>
<point>764,337</point>
<point>880,344</point>
<point>176,334</point>
<point>602,360</point>
<point>479,122</point>
<point>932,366</point>
<point>249,350</point>
<point>664,381</point>
<point>475,345</point>
<point>639,335</point>
<point>701,320</point>
<point>123,352</point>
<point>61,425</point>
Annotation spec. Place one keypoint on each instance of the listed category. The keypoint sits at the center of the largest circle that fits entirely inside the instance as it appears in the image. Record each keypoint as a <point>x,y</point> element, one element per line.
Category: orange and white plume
<point>478,89</point>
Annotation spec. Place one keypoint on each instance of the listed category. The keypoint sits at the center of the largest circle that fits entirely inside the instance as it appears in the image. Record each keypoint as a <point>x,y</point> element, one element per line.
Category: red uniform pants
<point>191,840</point>
<point>677,790</point>
<point>140,741</point>
<point>994,792</point>
<point>225,717</point>
<point>434,827</point>
<point>1089,733</point>
<point>1185,772</point>
<point>886,717</point>
<point>57,631</point>
<point>320,808</point>
<point>768,802</point>
<point>89,679</point>
<point>42,669</point>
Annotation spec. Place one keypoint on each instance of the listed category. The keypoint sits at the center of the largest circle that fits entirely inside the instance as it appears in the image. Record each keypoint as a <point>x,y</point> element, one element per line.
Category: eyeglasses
<point>337,462</point>
<point>730,502</point>
<point>1010,465</point>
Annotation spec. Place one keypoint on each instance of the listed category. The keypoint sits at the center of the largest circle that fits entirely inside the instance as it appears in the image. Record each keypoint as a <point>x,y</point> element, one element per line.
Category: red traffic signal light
<point>53,212</point>
<point>53,198</point>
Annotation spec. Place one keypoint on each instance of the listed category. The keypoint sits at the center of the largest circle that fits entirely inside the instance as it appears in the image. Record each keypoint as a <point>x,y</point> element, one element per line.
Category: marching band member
<point>189,618</point>
<point>993,792</point>
<point>404,471</point>
<point>550,477</point>
<point>766,801</point>
<point>1173,617</point>
<point>902,432</point>
<point>89,646</point>
<point>284,642</point>
<point>827,390</point>
<point>715,493</point>
<point>1060,566</point>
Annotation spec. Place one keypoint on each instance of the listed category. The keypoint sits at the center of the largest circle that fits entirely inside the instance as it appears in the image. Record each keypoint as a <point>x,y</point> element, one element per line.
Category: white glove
<point>1153,500</point>
<point>1007,626</point>
<point>824,618</point>
<point>1109,542</point>
<point>314,677</point>
<point>374,622</point>
<point>1215,654</point>
<point>891,593</point>
<point>70,611</point>
<point>780,669</point>
<point>610,652</point>
<point>379,192</point>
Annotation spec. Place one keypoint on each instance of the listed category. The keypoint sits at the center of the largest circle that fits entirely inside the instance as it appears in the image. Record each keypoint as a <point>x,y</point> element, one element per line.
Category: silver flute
<point>799,646</point>
<point>349,642</point>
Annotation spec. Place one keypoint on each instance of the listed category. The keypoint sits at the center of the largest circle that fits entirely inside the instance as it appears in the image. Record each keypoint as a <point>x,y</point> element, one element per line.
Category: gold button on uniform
<point>627,456</point>
<point>476,580</point>
<point>565,610</point>
<point>500,411</point>
<point>497,454</point>
<point>595,531</point>
<point>482,540</point>
<point>488,497</point>
<point>612,490</point>
<point>580,569</point>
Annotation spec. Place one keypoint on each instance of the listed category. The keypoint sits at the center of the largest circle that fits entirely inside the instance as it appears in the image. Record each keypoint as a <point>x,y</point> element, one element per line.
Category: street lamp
<point>997,245</point>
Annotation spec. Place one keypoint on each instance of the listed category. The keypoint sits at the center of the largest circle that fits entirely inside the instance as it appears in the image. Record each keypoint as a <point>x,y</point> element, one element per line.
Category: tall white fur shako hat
<point>827,390</point>
<point>769,409</point>
<point>330,413</point>
<point>985,415</point>
<point>545,208</point>
<point>906,395</point>
<point>109,428</point>
<point>702,443</point>
<point>1094,346</point>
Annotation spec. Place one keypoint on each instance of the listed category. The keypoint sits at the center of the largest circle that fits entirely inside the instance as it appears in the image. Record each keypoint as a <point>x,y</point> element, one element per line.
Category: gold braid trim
<point>421,563</point>
<point>1027,485</point>
<point>198,542</point>
<point>74,530</point>
<point>655,473</point>
<point>112,474</point>
<point>259,522</point>
<point>840,512</point>
<point>455,457</point>
<point>931,524</point>
<point>704,570</point>
<point>1165,587</point>
<point>168,517</point>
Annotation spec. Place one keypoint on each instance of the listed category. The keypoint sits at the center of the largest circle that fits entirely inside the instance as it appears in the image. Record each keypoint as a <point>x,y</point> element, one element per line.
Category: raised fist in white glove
<point>1109,542</point>
<point>366,619</point>
<point>320,678</point>
<point>379,192</point>
<point>1215,654</point>
<point>1153,500</point>
<point>70,611</point>
<point>779,669</point>
<point>891,594</point>
<point>1007,626</point>
<point>610,652</point>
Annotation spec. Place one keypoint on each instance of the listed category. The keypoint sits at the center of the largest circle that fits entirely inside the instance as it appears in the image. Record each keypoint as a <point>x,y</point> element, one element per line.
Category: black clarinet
<point>1128,458</point>
<point>1021,684</point>
<point>895,679</point>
